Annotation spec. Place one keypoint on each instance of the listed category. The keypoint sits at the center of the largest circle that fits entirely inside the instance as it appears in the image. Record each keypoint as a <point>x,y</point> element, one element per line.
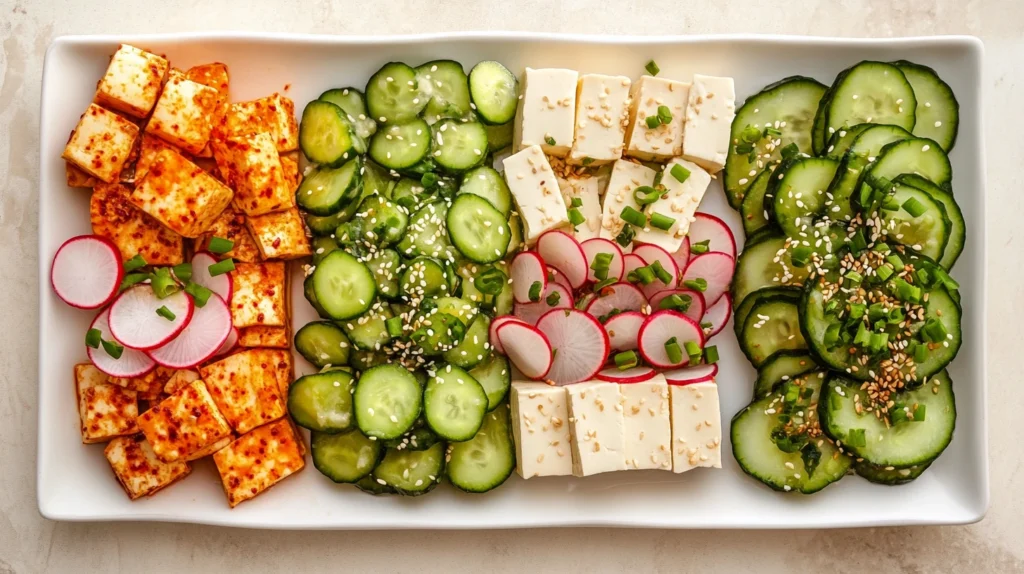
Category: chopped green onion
<point>890,204</point>
<point>854,278</point>
<point>919,413</point>
<point>137,262</point>
<point>549,140</point>
<point>948,282</point>
<point>113,349</point>
<point>221,267</point>
<point>680,173</point>
<point>750,134</point>
<point>534,293</point>
<point>553,298</point>
<point>884,272</point>
<point>770,131</point>
<point>665,115</point>
<point>835,402</point>
<point>698,284</point>
<point>934,331</point>
<point>604,318</point>
<point>633,216</point>
<point>855,438</point>
<point>907,292</point>
<point>857,310</point>
<point>163,284</point>
<point>896,315</point>
<point>801,255</point>
<point>200,295</point>
<point>429,180</point>
<point>575,217</point>
<point>662,222</point>
<point>878,341</point>
<point>832,335</point>
<point>676,302</point>
<point>601,273</point>
<point>653,122</point>
<point>183,272</point>
<point>693,351</point>
<point>743,148</point>
<point>923,277</point>
<point>920,353</point>
<point>895,261</point>
<point>93,338</point>
<point>576,202</point>
<point>863,336</point>
<point>394,327</point>
<point>914,207</point>
<point>857,242</point>
<point>133,279</point>
<point>876,312</point>
<point>882,184</point>
<point>604,283</point>
<point>587,161</point>
<point>601,261</point>
<point>700,247</point>
<point>490,281</point>
<point>626,360</point>
<point>220,246</point>
<point>663,275</point>
<point>790,150</point>
<point>652,68</point>
<point>645,275</point>
<point>711,355</point>
<point>646,195</point>
<point>675,354</point>
<point>625,237</point>
<point>166,313</point>
<point>706,325</point>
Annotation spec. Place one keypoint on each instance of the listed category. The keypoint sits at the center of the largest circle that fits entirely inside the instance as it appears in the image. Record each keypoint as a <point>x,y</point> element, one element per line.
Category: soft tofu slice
<point>250,387</point>
<point>133,81</point>
<point>269,337</point>
<point>259,295</point>
<point>132,230</point>
<point>138,469</point>
<point>280,235</point>
<point>179,194</point>
<point>680,202</point>
<point>709,113</point>
<point>231,225</point>
<point>101,144</point>
<point>185,113</point>
<point>535,190</point>
<point>148,386</point>
<point>588,190</point>
<point>105,410</point>
<point>626,176</point>
<point>179,379</point>
<point>648,424</point>
<point>696,426</point>
<point>666,140</point>
<point>540,425</point>
<point>547,111</point>
<point>598,428</point>
<point>258,460</point>
<point>184,423</point>
<point>602,114</point>
<point>255,172</point>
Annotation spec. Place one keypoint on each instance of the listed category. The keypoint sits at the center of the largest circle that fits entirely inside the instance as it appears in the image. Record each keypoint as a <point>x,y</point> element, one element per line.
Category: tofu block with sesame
<point>179,194</point>
<point>75,177</point>
<point>648,424</point>
<point>269,337</point>
<point>184,423</point>
<point>185,113</point>
<point>540,426</point>
<point>259,295</point>
<point>255,172</point>
<point>105,410</point>
<point>258,460</point>
<point>179,379</point>
<point>133,81</point>
<point>101,144</point>
<point>696,426</point>
<point>138,469</point>
<point>274,114</point>
<point>602,114</point>
<point>679,202</point>
<point>710,110</point>
<point>535,190</point>
<point>598,428</point>
<point>231,225</point>
<point>250,387</point>
<point>547,111</point>
<point>626,176</point>
<point>665,140</point>
<point>132,230</point>
<point>587,189</point>
<point>280,235</point>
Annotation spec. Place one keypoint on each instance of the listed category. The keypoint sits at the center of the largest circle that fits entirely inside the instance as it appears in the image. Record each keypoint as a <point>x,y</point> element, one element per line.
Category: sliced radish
<point>86,271</point>
<point>682,255</point>
<point>132,363</point>
<point>691,375</point>
<point>493,331</point>
<point>630,262</point>
<point>532,312</point>
<point>579,345</point>
<point>633,375</point>
<point>621,296</point>
<point>556,276</point>
<point>650,254</point>
<point>624,330</point>
<point>527,268</point>
<point>229,343</point>
<point>222,284</point>
<point>707,227</point>
<point>527,348</point>
<point>697,307</point>
<point>718,315</point>
<point>561,251</point>
<point>592,247</point>
<point>662,326</point>
<point>201,339</point>
<point>715,268</point>
<point>134,321</point>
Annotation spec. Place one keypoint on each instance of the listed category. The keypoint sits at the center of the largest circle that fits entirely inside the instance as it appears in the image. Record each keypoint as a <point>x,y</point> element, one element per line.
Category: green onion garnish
<point>914,207</point>
<point>948,282</point>
<point>923,277</point>
<point>919,413</point>
<point>553,298</point>
<point>587,161</point>
<point>857,242</point>
<point>163,284</point>
<point>626,360</point>
<point>907,292</point>
<point>576,202</point>
<point>652,122</point>
<point>835,402</point>
<point>700,247</point>
<point>853,277</point>
<point>711,355</point>
<point>601,273</point>
<point>790,150</point>
<point>575,217</point>
<point>601,261</point>
<point>675,354</point>
<point>934,331</point>
<point>857,310</point>
<point>863,336</point>
<point>680,173</point>
<point>429,180</point>
<point>183,272</point>
<point>534,293</point>
<point>694,351</point>
<point>896,315</point>
<point>645,275</point>
<point>770,131</point>
<point>698,284</point>
<point>200,295</point>
<point>920,353</point>
<point>166,313</point>
<point>220,246</point>
<point>878,341</point>
<point>625,237</point>
<point>750,134</point>
<point>664,114</point>
<point>490,281</point>
<point>882,183</point>
<point>884,272</point>
<point>855,438</point>
<point>663,275</point>
<point>604,283</point>
<point>137,262</point>
<point>895,261</point>
<point>646,195</point>
<point>652,68</point>
<point>633,217</point>
<point>662,222</point>
<point>93,338</point>
<point>394,327</point>
<point>676,302</point>
<point>133,279</point>
<point>549,140</point>
<point>113,349</point>
<point>222,267</point>
<point>801,255</point>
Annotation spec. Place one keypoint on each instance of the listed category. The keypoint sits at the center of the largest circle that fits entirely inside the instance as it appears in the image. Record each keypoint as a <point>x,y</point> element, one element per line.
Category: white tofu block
<point>666,140</point>
<point>598,428</point>
<point>587,189</point>
<point>696,426</point>
<point>547,111</point>
<point>709,113</point>
<point>626,177</point>
<point>540,425</point>
<point>535,190</point>
<point>133,81</point>
<point>602,114</point>
<point>680,202</point>
<point>648,425</point>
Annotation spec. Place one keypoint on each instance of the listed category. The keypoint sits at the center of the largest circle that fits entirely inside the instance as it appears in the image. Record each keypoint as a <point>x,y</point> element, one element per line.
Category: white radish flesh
<point>631,262</point>
<point>624,330</point>
<point>527,268</point>
<point>527,348</point>
<point>555,276</point>
<point>659,329</point>
<point>229,343</point>
<point>201,339</point>
<point>493,330</point>
<point>130,364</point>
<point>135,322</point>
<point>579,345</point>
<point>718,315</point>
<point>86,271</point>
<point>222,284</point>
<point>564,253</point>
<point>532,312</point>
<point>707,227</point>
<point>682,255</point>
<point>592,248</point>
<point>621,296</point>
<point>697,306</point>
<point>714,268</point>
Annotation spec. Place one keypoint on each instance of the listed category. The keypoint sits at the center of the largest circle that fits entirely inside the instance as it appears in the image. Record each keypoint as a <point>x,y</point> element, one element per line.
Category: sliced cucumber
<point>361,360</point>
<point>435,332</point>
<point>448,87</point>
<point>928,232</point>
<point>393,94</point>
<point>743,309</point>
<point>325,134</point>
<point>500,137</point>
<point>325,225</point>
<point>779,368</point>
<point>888,475</point>
<point>387,401</point>
<point>870,92</point>
<point>500,304</point>
<point>800,199</point>
<point>376,179</point>
<point>344,458</point>
<point>873,137</point>
<point>454,403</point>
<point>423,278</point>
<point>322,402</point>
<point>428,233</point>
<point>400,146</point>
<point>488,184</point>
<point>420,437</point>
<point>773,325</point>
<point>322,343</point>
<point>458,146</point>
<point>386,266</point>
<point>310,294</point>
<point>495,92</point>
<point>919,156</point>
<point>412,472</point>
<point>386,221</point>
<point>819,131</point>
<point>370,485</point>
<point>326,190</point>
<point>472,350</point>
<point>321,247</point>
<point>495,376</point>
<point>344,286</point>
<point>369,332</point>
<point>938,112</point>
<point>352,102</point>
<point>752,208</point>
<point>957,226</point>
<point>488,459</point>
<point>767,263</point>
<point>840,141</point>
<point>477,229</point>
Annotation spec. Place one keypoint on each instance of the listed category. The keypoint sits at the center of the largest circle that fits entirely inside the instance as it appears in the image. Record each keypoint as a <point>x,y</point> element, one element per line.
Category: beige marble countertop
<point>28,543</point>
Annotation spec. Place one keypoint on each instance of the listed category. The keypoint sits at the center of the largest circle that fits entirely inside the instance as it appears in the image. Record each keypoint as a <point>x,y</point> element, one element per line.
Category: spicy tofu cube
<point>179,194</point>
<point>280,235</point>
<point>290,166</point>
<point>78,178</point>
<point>211,448</point>
<point>148,386</point>
<point>254,168</point>
<point>258,460</point>
<point>149,147</point>
<point>231,226</point>
<point>274,115</point>
<point>250,387</point>
<point>184,423</point>
<point>213,75</point>
<point>270,337</point>
<point>133,81</point>
<point>101,144</point>
<point>138,469</point>
<point>178,380</point>
<point>133,231</point>
<point>185,113</point>
<point>259,295</point>
<point>106,410</point>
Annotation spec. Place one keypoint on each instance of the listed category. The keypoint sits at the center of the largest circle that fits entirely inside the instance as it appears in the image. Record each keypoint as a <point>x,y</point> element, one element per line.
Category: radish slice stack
<point>526,347</point>
<point>219,284</point>
<point>620,296</point>
<point>532,312</point>
<point>594,247</point>
<point>691,375</point>
<point>697,306</point>
<point>658,329</point>
<point>631,375</point>
<point>131,363</point>
<point>563,252</point>
<point>136,322</point>
<point>624,330</point>
<point>493,331</point>
<point>201,339</point>
<point>526,269</point>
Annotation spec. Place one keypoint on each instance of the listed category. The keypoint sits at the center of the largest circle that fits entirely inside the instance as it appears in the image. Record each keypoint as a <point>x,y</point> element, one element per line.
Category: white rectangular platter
<point>75,483</point>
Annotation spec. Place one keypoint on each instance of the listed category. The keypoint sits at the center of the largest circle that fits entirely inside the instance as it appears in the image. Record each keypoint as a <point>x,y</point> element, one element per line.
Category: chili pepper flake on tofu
<point>179,379</point>
<point>280,235</point>
<point>258,460</point>
<point>184,423</point>
<point>213,75</point>
<point>133,231</point>
<point>184,115</point>
<point>179,194</point>
<point>101,143</point>
<point>230,225</point>
<point>106,410</point>
<point>274,114</point>
<point>259,295</point>
<point>250,387</point>
<point>149,386</point>
<point>255,172</point>
<point>132,82</point>
<point>269,337</point>
<point>138,469</point>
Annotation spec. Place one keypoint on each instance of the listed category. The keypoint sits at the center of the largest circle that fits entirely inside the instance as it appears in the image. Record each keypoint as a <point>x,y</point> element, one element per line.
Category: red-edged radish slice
<point>707,227</point>
<point>718,315</point>
<point>630,262</point>
<point>527,348</point>
<point>201,339</point>
<point>624,330</point>
<point>621,296</point>
<point>132,363</point>
<point>633,375</point>
<point>691,375</point>
<point>662,326</point>
<point>221,284</point>
<point>229,343</point>
<point>532,312</point>
<point>697,307</point>
<point>715,268</point>
<point>556,276</point>
<point>527,268</point>
<point>579,345</point>
<point>134,321</point>
<point>86,271</point>
<point>682,255</point>
<point>651,253</point>
<point>493,330</point>
<point>592,247</point>
<point>561,251</point>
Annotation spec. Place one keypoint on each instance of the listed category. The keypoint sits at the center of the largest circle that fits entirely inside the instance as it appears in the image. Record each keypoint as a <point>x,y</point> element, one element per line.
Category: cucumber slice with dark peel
<point>938,112</point>
<point>423,278</point>
<point>471,351</point>
<point>353,103</point>
<point>957,226</point>
<point>322,343</point>
<point>324,225</point>
<point>310,294</point>
<point>386,221</point>
<point>428,233</point>
<point>767,263</point>
<point>370,485</point>
<point>490,185</point>
<point>773,325</point>
<point>477,229</point>
<point>326,190</point>
<point>458,146</point>
<point>369,332</point>
<point>448,87</point>
<point>454,403</point>
<point>485,461</point>
<point>888,475</point>
<point>873,137</point>
<point>344,286</point>
<point>322,401</point>
<point>870,92</point>
<point>743,309</point>
<point>495,376</point>
<point>325,134</point>
<point>800,199</point>
<point>400,146</point>
<point>419,437</point>
<point>387,401</point>
<point>840,141</point>
<point>752,210</point>
<point>393,94</point>
<point>500,304</point>
<point>495,92</point>
<point>782,366</point>
<point>921,156</point>
<point>412,472</point>
<point>344,458</point>
<point>926,231</point>
<point>500,137</point>
<point>361,360</point>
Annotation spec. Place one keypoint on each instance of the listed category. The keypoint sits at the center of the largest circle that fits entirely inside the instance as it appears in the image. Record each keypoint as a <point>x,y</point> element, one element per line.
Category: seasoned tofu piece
<point>101,144</point>
<point>598,428</point>
<point>258,460</point>
<point>178,380</point>
<point>696,426</point>
<point>648,426</point>
<point>602,114</point>
<point>78,178</point>
<point>150,385</point>
<point>665,140</point>
<point>290,167</point>
<point>138,469</point>
<point>586,189</point>
<point>259,295</point>
<point>211,448</point>
<point>280,235</point>
<point>231,226</point>
<point>133,231</point>
<point>149,146</point>
<point>679,202</point>
<point>250,387</point>
<point>179,194</point>
<point>270,337</point>
<point>547,110</point>
<point>540,426</point>
<point>184,423</point>
<point>133,81</point>
<point>256,173</point>
<point>274,114</point>
<point>105,410</point>
<point>213,75</point>
<point>185,113</point>
<point>709,113</point>
<point>626,177</point>
<point>535,190</point>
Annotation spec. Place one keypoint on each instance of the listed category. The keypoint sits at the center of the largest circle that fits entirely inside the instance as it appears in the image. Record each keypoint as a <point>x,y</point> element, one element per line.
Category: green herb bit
<point>163,284</point>
<point>698,284</point>
<point>895,261</point>
<point>220,246</point>
<point>183,272</point>
<point>221,267</point>
<point>790,150</point>
<point>93,338</point>
<point>660,272</point>
<point>491,281</point>
<point>665,115</point>
<point>576,218</point>
<point>743,148</point>
<point>576,202</point>
<point>625,237</point>
<point>549,140</point>
<point>863,336</point>
<point>711,355</point>
<point>801,255</point>
<point>680,173</point>
<point>587,161</point>
<point>553,298</point>
<point>601,261</point>
<point>394,327</point>
<point>948,282</point>
<point>113,349</point>
<point>534,293</point>
<point>676,302</point>
<point>675,354</point>
<point>770,131</point>
<point>137,262</point>
<point>750,135</point>
<point>604,283</point>
<point>810,454</point>
<point>856,438</point>
<point>626,360</point>
<point>652,68</point>
<point>858,243</point>
<point>200,295</point>
<point>166,313</point>
<point>662,222</point>
<point>914,207</point>
<point>853,278</point>
<point>429,180</point>
<point>645,275</point>
<point>920,353</point>
<point>633,217</point>
<point>700,247</point>
<point>832,335</point>
<point>646,195</point>
<point>693,350</point>
<point>884,272</point>
<point>133,279</point>
<point>907,292</point>
<point>652,122</point>
<point>857,310</point>
<point>935,331</point>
